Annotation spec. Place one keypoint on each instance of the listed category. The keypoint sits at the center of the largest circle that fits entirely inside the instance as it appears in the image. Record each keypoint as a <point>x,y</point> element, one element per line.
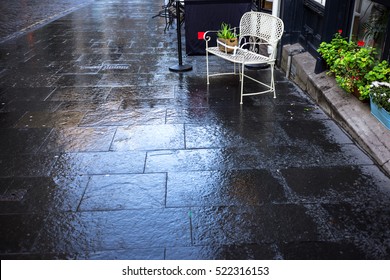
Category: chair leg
<point>273,80</point>
<point>242,82</point>
<point>207,67</point>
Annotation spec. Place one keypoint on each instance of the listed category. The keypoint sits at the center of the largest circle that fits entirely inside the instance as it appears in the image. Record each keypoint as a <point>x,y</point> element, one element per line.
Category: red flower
<point>340,31</point>
<point>361,43</point>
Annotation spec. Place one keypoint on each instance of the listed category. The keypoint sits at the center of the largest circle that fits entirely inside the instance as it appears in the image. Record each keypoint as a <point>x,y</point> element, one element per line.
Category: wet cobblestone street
<point>106,154</point>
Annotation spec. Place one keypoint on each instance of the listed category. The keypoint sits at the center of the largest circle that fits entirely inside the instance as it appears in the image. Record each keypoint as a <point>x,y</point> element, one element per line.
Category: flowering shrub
<point>354,66</point>
<point>333,51</point>
<point>380,72</point>
<point>380,94</point>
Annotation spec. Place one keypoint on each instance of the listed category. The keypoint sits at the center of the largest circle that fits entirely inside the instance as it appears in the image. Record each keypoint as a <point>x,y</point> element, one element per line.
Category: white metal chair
<point>256,31</point>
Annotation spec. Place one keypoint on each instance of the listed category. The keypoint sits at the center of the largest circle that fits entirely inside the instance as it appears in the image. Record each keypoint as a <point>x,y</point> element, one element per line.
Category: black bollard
<point>180,67</point>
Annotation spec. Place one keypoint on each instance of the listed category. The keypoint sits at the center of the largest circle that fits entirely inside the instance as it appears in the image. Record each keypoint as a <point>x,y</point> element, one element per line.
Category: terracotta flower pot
<point>355,92</point>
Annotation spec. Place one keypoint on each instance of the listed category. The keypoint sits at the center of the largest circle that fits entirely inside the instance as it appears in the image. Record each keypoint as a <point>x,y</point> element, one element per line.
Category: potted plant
<point>354,65</point>
<point>380,102</point>
<point>332,51</point>
<point>379,73</point>
<point>227,38</point>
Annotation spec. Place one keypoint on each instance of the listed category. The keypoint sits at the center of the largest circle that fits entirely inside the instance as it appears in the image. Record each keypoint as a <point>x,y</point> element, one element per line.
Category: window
<point>369,24</point>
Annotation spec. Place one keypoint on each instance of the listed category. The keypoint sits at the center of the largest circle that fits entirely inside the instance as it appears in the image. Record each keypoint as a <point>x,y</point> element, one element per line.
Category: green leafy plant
<point>350,69</point>
<point>353,65</point>
<point>380,72</point>
<point>227,38</point>
<point>226,32</point>
<point>380,94</point>
<point>332,51</point>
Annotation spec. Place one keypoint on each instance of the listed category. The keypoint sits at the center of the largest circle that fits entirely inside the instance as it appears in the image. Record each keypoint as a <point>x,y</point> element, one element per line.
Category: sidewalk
<point>106,154</point>
<point>351,114</point>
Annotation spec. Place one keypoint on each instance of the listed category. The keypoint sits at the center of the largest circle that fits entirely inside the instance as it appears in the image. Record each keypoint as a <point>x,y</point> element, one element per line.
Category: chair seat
<point>242,56</point>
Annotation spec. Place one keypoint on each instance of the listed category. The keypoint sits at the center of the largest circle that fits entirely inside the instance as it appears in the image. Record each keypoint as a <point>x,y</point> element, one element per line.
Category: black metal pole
<point>180,67</point>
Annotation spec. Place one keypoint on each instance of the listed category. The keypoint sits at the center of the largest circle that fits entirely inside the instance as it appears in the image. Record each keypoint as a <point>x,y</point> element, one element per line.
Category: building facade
<point>310,22</point>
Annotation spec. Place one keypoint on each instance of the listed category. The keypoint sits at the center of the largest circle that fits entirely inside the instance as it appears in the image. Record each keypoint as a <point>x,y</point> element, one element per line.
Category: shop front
<point>310,22</point>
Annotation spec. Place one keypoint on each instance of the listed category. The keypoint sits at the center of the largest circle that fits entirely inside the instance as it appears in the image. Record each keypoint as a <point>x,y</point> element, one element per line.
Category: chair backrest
<point>262,26</point>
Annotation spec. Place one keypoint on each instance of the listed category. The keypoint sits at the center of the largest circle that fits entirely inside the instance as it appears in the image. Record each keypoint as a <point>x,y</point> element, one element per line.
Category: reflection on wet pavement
<point>106,154</point>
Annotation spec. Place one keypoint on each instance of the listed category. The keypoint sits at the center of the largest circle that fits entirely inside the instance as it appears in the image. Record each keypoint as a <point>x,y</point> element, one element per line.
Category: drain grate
<point>115,67</point>
<point>90,67</point>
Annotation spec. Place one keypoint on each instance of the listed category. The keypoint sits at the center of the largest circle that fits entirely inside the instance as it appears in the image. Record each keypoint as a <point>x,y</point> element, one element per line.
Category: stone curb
<point>350,113</point>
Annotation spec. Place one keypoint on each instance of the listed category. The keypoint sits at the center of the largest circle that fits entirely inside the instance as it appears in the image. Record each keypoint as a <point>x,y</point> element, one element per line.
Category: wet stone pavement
<point>106,154</point>
<point>20,16</point>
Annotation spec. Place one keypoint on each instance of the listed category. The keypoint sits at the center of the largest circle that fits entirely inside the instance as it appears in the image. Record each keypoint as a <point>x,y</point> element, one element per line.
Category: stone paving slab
<point>106,154</point>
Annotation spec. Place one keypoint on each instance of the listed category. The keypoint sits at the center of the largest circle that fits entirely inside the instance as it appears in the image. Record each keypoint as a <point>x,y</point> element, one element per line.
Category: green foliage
<point>226,32</point>
<point>380,94</point>
<point>332,51</point>
<point>354,66</point>
<point>350,69</point>
<point>380,72</point>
